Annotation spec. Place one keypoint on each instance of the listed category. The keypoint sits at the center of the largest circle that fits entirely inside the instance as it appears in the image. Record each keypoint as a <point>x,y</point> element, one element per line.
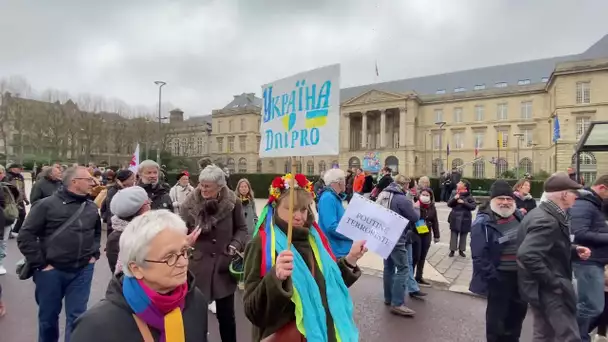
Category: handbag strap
<point>66,223</point>
<point>143,329</point>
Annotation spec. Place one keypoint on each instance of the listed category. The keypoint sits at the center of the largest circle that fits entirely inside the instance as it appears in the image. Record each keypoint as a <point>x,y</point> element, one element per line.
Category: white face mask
<point>425,199</point>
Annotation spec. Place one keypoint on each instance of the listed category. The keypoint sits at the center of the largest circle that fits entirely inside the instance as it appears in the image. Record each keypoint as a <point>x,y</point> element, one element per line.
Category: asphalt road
<point>444,316</point>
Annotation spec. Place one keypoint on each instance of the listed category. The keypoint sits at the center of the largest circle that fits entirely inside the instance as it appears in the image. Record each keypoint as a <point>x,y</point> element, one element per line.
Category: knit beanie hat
<point>127,202</point>
<point>501,188</point>
<point>123,175</point>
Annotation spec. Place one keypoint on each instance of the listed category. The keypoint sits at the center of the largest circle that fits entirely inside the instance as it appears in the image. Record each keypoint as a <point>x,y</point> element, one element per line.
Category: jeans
<point>505,310</point>
<point>412,284</point>
<point>225,318</point>
<point>52,287</point>
<point>4,233</point>
<point>396,269</point>
<point>590,304</point>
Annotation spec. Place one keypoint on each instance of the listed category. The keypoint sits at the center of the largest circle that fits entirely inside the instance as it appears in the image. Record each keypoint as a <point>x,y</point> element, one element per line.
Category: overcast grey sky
<point>208,51</point>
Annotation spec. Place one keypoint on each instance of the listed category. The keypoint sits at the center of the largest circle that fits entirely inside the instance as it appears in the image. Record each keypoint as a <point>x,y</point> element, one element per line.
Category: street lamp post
<point>160,85</point>
<point>440,124</point>
<point>519,137</point>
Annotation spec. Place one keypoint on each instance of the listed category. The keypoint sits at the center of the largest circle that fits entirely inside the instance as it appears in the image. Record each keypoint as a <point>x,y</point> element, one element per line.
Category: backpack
<point>384,199</point>
<point>11,210</point>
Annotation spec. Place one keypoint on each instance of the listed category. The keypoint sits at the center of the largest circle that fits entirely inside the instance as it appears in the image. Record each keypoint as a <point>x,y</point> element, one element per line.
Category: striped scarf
<point>162,312</point>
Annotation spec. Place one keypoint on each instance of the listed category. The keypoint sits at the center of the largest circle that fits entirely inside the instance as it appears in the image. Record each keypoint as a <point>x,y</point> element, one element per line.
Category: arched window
<point>436,167</point>
<point>298,166</point>
<point>392,162</point>
<point>456,163</point>
<point>525,166</point>
<point>258,166</point>
<point>334,164</point>
<point>479,169</point>
<point>501,167</point>
<point>242,165</point>
<point>322,166</point>
<point>230,165</point>
<point>354,162</point>
<point>588,170</point>
<point>310,167</point>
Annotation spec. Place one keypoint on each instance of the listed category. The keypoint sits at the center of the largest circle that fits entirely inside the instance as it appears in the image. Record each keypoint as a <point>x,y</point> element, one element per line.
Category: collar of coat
<point>227,199</point>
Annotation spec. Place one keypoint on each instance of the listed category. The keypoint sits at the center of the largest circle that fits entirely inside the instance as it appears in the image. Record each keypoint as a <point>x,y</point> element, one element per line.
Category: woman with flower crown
<point>287,289</point>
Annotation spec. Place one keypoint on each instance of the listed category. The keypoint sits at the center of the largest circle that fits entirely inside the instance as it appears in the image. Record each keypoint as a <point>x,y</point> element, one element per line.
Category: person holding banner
<point>287,287</point>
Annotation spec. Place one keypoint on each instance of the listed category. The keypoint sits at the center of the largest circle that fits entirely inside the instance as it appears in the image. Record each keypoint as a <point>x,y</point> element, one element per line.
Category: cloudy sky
<point>207,51</point>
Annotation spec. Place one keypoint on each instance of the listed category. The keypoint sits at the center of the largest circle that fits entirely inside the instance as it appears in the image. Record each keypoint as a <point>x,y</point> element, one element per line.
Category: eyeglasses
<point>173,258</point>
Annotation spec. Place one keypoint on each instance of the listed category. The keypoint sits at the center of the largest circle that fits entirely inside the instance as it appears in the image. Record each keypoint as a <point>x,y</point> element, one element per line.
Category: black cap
<point>500,188</point>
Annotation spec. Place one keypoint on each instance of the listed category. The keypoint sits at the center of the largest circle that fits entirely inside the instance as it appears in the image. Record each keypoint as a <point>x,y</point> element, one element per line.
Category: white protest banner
<point>367,220</point>
<point>301,114</point>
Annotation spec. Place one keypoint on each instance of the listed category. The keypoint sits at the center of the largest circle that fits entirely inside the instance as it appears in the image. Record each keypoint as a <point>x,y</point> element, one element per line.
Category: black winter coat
<point>461,217</point>
<point>43,188</point>
<point>111,319</point>
<point>159,195</point>
<point>71,249</point>
<point>525,203</point>
<point>545,257</point>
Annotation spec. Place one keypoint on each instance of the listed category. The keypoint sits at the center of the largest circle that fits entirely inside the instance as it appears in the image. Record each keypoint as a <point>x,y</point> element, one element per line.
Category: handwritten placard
<point>367,220</point>
<point>301,114</point>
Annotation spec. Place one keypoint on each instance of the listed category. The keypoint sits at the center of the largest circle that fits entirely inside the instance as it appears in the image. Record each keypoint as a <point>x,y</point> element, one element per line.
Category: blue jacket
<point>588,224</point>
<point>331,211</point>
<point>403,206</point>
<point>485,250</point>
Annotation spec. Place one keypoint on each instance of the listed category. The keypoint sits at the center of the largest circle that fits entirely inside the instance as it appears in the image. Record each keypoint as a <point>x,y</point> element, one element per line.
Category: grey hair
<point>70,174</point>
<point>147,163</point>
<point>333,176</point>
<point>138,234</point>
<point>212,173</point>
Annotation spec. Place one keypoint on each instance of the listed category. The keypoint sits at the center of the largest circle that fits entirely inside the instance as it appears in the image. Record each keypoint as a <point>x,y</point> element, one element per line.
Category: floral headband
<point>281,184</point>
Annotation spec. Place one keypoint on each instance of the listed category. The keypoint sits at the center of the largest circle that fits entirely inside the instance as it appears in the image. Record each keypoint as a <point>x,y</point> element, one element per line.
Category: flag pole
<point>292,193</point>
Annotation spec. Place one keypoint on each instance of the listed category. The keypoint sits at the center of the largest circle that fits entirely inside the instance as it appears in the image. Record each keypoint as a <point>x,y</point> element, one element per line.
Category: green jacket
<point>267,300</point>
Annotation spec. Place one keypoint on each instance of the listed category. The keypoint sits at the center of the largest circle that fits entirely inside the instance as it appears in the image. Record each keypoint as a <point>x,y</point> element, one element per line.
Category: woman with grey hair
<point>155,298</point>
<point>215,210</point>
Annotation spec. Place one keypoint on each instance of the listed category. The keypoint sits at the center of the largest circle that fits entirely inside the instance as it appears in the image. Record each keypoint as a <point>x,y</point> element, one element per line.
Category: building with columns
<point>412,123</point>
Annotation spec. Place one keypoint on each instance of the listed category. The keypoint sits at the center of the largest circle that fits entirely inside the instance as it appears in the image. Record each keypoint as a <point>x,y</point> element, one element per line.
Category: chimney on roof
<point>176,115</point>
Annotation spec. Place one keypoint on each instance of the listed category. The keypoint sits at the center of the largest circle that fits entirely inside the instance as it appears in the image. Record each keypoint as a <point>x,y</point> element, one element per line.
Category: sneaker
<point>451,254</point>
<point>423,283</point>
<point>418,294</point>
<point>212,307</point>
<point>402,311</point>
<point>2,270</point>
<point>461,253</point>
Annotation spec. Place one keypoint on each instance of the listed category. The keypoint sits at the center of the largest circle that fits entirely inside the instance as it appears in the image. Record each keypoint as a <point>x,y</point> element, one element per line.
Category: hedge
<point>261,181</point>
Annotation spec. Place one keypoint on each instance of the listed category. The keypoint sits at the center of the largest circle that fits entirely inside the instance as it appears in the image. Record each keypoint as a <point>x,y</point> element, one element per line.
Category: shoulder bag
<point>23,268</point>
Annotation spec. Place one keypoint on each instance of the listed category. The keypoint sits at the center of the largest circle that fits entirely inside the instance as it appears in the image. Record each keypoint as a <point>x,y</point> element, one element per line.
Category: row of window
<point>501,112</point>
<point>184,147</point>
<point>241,167</point>
<point>525,166</point>
<point>458,139</point>
<point>243,125</point>
<point>242,144</point>
<point>496,85</point>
